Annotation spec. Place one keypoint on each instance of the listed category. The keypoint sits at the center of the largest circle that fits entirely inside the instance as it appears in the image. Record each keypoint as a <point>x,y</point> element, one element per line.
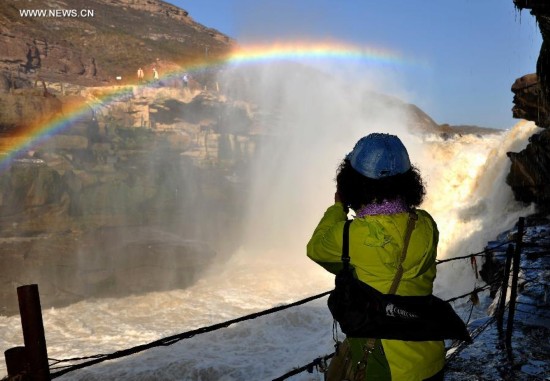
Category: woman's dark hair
<point>356,190</point>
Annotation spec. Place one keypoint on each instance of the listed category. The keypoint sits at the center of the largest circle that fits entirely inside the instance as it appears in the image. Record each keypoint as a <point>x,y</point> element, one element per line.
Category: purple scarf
<point>385,207</point>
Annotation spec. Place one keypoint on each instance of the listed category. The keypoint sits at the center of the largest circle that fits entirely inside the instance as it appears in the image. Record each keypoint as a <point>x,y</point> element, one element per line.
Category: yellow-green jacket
<point>375,246</point>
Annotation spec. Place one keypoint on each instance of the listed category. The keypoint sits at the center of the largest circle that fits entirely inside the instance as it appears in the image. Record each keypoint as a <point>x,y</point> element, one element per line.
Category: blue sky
<point>471,50</point>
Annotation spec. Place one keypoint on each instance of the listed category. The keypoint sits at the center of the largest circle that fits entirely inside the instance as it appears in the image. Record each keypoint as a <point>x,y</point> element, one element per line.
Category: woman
<point>377,181</point>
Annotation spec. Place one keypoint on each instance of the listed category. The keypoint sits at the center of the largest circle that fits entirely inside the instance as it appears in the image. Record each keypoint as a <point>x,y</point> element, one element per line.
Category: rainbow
<point>40,131</point>
<point>312,51</point>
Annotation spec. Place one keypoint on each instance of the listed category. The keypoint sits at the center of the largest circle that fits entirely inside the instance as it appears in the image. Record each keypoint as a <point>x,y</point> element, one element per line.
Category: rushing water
<point>318,123</point>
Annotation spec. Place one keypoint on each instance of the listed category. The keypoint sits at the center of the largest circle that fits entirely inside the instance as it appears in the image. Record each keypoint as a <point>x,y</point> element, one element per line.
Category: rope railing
<point>98,358</point>
<point>485,252</point>
<point>95,359</point>
<point>474,334</point>
<point>509,253</point>
<point>175,338</point>
<point>474,291</point>
<point>318,363</point>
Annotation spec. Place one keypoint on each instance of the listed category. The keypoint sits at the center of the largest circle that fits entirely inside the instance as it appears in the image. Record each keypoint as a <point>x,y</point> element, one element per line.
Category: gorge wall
<point>529,175</point>
<point>113,41</point>
<point>134,194</point>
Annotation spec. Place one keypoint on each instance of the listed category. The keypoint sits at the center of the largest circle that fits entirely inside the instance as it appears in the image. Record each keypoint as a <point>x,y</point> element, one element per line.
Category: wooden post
<point>514,289</point>
<point>16,361</point>
<point>504,290</point>
<point>33,332</point>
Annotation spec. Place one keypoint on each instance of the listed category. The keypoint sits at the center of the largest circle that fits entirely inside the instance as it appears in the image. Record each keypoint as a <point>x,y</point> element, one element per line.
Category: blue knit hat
<point>379,155</point>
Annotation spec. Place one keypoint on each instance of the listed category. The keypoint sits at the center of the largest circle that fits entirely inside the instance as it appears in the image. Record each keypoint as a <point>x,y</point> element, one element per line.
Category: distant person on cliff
<point>140,74</point>
<point>155,74</point>
<point>185,80</point>
<point>377,181</point>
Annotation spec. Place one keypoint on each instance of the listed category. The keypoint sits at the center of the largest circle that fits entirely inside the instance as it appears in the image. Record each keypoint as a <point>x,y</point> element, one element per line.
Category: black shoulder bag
<point>363,311</point>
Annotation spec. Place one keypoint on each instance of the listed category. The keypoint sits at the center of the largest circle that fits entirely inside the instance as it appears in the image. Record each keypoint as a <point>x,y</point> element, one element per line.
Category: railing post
<point>514,289</point>
<point>16,362</point>
<point>33,332</point>
<point>504,290</point>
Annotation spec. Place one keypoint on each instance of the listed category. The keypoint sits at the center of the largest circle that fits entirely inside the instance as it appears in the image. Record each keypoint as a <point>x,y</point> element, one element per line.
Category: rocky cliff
<point>95,41</point>
<point>123,195</point>
<point>529,175</point>
<point>151,174</point>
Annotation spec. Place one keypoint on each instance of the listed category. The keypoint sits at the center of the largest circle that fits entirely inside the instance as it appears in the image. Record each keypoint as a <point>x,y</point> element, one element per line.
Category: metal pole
<point>33,332</point>
<point>514,289</point>
<point>504,289</point>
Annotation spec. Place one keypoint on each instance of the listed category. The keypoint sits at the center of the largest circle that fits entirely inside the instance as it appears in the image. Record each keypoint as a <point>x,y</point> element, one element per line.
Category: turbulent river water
<point>293,184</point>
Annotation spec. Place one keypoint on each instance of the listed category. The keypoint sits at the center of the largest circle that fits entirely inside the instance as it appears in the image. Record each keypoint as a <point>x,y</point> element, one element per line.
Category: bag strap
<point>345,245</point>
<point>371,342</point>
<point>413,217</point>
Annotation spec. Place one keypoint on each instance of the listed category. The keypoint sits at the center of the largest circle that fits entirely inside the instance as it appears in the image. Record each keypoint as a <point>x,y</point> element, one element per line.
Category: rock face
<point>128,197</point>
<point>92,42</point>
<point>16,108</point>
<point>108,207</point>
<point>529,100</point>
<point>529,176</point>
<point>530,171</point>
<point>136,195</point>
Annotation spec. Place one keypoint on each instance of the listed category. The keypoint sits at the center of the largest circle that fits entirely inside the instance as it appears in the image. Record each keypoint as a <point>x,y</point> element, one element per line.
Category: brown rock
<point>529,174</point>
<point>530,171</point>
<point>29,184</point>
<point>22,109</point>
<point>91,50</point>
<point>529,101</point>
<point>65,142</point>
